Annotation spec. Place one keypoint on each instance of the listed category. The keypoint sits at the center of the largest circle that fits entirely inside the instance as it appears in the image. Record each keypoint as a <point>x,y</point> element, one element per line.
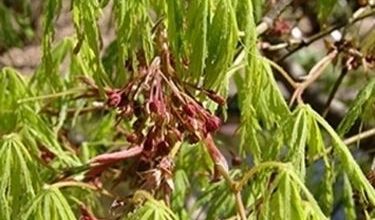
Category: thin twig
<point>267,23</point>
<point>221,167</point>
<point>312,39</point>
<point>283,73</point>
<point>240,206</point>
<point>81,185</point>
<point>262,27</point>
<point>335,87</point>
<point>360,136</point>
<point>353,139</point>
<point>235,189</point>
<point>313,75</point>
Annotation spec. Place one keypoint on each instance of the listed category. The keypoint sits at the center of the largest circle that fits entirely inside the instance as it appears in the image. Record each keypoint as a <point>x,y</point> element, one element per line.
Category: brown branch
<point>313,75</point>
<point>349,141</point>
<point>235,189</point>
<point>360,136</point>
<point>113,157</point>
<point>335,87</point>
<point>221,167</point>
<point>283,73</point>
<point>240,206</point>
<point>312,39</point>
<point>267,21</point>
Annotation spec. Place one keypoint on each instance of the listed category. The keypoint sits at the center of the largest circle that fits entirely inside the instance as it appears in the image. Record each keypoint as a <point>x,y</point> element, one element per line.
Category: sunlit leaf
<point>356,108</point>
<point>152,209</point>
<point>19,179</point>
<point>49,204</point>
<point>197,40</point>
<point>351,168</point>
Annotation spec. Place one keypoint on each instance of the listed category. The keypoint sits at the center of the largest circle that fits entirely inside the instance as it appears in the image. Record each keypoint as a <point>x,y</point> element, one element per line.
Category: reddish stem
<point>215,154</point>
<point>117,156</point>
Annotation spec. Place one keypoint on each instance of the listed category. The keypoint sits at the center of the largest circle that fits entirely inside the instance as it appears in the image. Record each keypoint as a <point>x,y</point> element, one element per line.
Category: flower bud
<point>154,106</point>
<point>215,154</point>
<point>114,98</point>
<point>212,123</point>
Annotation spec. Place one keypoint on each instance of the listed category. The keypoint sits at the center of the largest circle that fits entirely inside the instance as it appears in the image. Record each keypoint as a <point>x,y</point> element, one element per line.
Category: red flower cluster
<point>163,113</point>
